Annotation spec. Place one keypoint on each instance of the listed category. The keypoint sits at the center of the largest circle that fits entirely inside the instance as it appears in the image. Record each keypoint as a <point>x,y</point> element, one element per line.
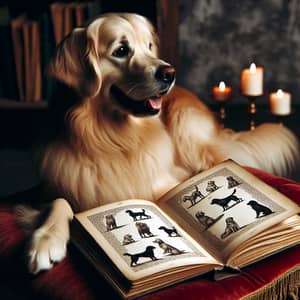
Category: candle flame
<point>222,86</point>
<point>253,68</point>
<point>279,93</point>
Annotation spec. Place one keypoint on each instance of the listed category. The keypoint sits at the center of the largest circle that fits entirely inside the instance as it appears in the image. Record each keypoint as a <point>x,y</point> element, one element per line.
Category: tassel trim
<point>284,287</point>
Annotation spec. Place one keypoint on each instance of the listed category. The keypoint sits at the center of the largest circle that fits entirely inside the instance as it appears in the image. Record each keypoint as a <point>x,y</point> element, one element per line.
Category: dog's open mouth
<point>148,106</point>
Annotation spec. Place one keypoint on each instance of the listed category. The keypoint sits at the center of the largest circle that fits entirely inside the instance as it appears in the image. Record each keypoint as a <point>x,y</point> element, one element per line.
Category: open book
<point>222,217</point>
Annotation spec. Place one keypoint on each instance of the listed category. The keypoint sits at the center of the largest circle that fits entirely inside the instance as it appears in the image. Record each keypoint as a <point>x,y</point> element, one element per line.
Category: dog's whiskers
<point>132,88</point>
<point>139,90</point>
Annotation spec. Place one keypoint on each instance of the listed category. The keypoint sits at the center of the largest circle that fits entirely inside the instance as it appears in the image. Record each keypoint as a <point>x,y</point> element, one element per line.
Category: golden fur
<point>111,152</point>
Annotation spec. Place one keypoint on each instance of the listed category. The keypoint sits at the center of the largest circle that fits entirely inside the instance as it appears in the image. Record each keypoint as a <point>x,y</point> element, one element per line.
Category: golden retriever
<point>126,135</point>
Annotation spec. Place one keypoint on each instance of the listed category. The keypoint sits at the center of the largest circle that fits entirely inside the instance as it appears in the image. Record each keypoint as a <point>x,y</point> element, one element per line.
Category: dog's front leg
<point>49,241</point>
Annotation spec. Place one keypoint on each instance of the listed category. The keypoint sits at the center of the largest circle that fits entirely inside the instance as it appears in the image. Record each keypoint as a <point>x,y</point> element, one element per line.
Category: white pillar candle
<point>252,81</point>
<point>280,103</point>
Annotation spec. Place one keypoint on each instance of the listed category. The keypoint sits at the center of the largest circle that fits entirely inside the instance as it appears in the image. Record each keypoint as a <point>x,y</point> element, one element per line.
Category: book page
<point>140,239</point>
<point>280,236</point>
<point>225,206</point>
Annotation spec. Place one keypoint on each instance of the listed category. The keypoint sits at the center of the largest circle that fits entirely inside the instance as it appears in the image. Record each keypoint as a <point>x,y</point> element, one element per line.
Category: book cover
<point>58,21</point>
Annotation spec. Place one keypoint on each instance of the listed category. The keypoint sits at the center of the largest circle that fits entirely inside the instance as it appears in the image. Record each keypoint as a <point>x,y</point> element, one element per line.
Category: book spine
<point>18,47</point>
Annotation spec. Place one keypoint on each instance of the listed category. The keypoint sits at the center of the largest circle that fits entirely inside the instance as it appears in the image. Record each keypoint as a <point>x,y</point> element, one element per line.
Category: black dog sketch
<point>170,231</point>
<point>143,230</point>
<point>224,202</point>
<point>140,215</point>
<point>149,252</point>
<point>231,227</point>
<point>260,209</point>
<point>128,239</point>
<point>205,221</point>
<point>193,196</point>
<point>168,249</point>
<point>232,182</point>
<point>211,186</point>
<point>110,222</point>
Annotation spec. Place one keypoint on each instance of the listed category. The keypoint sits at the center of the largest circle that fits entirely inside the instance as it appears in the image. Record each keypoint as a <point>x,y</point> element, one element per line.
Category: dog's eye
<point>122,51</point>
<point>150,46</point>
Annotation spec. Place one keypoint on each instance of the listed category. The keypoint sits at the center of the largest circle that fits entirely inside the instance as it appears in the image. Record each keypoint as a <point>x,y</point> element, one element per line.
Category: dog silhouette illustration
<point>143,230</point>
<point>224,202</point>
<point>168,249</point>
<point>204,220</point>
<point>140,215</point>
<point>194,196</point>
<point>211,186</point>
<point>169,231</point>
<point>231,227</point>
<point>232,182</point>
<point>128,239</point>
<point>110,222</point>
<point>149,252</point>
<point>260,209</point>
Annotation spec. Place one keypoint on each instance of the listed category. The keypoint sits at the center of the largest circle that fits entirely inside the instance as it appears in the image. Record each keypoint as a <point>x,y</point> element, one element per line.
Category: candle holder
<point>222,113</point>
<point>252,110</point>
<point>280,119</point>
<point>222,94</point>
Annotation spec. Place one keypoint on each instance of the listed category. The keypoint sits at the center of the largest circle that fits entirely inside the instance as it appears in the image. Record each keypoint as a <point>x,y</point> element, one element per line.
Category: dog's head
<point>159,241</point>
<point>229,220</point>
<point>199,214</point>
<point>114,61</point>
<point>214,201</point>
<point>109,217</point>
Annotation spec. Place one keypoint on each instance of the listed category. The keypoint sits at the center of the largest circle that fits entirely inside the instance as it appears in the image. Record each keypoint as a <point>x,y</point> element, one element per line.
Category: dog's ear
<point>74,64</point>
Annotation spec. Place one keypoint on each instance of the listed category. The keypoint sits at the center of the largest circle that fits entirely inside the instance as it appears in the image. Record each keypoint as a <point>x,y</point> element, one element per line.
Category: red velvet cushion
<point>74,278</point>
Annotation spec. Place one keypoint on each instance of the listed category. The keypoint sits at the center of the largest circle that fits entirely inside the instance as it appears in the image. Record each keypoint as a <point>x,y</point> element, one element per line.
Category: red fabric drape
<point>74,278</point>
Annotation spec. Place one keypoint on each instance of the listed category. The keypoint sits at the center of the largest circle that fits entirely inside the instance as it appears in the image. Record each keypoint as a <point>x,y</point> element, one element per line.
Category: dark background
<point>217,39</point>
<point>220,38</point>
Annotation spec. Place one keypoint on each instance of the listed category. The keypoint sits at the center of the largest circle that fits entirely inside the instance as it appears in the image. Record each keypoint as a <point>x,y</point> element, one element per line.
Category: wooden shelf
<point>13,104</point>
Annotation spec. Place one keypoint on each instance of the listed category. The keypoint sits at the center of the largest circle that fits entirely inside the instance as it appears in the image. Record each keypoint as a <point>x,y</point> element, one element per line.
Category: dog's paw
<point>45,250</point>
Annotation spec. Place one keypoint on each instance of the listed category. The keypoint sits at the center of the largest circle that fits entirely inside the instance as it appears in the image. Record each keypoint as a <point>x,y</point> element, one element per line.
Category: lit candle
<point>252,81</point>
<point>280,103</point>
<point>222,92</point>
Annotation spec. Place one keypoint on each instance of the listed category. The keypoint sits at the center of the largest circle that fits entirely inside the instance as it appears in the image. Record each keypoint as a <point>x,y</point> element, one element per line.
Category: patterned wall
<point>218,38</point>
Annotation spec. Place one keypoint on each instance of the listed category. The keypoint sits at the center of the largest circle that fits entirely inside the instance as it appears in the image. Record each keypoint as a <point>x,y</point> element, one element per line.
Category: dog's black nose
<point>165,74</point>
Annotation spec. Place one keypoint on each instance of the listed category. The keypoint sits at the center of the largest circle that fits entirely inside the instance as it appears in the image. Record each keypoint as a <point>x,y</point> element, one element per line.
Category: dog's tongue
<point>154,103</point>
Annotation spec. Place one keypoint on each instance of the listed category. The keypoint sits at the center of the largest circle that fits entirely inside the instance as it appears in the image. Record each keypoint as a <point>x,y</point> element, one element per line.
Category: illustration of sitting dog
<point>140,215</point>
<point>205,221</point>
<point>149,252</point>
<point>170,231</point>
<point>110,222</point>
<point>194,196</point>
<point>168,249</point>
<point>128,239</point>
<point>224,202</point>
<point>211,186</point>
<point>231,182</point>
<point>143,230</point>
<point>231,227</point>
<point>260,209</point>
